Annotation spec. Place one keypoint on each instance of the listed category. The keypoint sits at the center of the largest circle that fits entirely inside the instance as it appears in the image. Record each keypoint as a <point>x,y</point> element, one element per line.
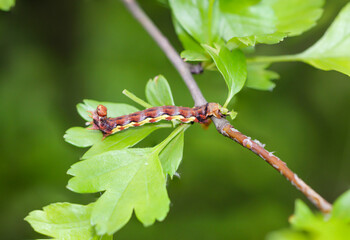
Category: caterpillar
<point>108,125</point>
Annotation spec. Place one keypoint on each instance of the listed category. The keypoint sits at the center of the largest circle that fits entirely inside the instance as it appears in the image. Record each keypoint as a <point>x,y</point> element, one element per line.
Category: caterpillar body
<point>108,125</point>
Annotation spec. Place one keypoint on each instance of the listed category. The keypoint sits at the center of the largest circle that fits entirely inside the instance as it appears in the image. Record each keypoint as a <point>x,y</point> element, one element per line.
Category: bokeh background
<point>56,53</point>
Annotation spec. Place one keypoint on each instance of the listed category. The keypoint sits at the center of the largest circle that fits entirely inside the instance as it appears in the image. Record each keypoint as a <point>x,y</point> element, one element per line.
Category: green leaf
<point>332,51</point>
<point>114,109</point>
<point>171,155</point>
<point>244,22</point>
<point>82,137</point>
<point>132,179</point>
<point>188,42</point>
<point>211,21</point>
<point>65,221</point>
<point>6,5</point>
<point>251,21</point>
<point>158,92</point>
<point>123,139</point>
<point>296,16</point>
<point>194,56</point>
<point>259,78</point>
<point>196,17</point>
<point>341,207</point>
<point>307,225</point>
<point>232,66</point>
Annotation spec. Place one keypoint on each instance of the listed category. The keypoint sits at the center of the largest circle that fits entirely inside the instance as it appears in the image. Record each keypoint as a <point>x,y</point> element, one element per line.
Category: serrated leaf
<point>332,51</point>
<point>123,139</point>
<point>82,137</point>
<point>259,78</point>
<point>232,66</point>
<point>6,5</point>
<point>114,109</point>
<point>65,221</point>
<point>341,207</point>
<point>171,156</point>
<point>296,16</point>
<point>158,92</point>
<point>131,179</point>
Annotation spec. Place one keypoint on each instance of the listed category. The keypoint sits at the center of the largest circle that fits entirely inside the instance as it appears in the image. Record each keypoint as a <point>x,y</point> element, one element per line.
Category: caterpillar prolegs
<point>108,125</point>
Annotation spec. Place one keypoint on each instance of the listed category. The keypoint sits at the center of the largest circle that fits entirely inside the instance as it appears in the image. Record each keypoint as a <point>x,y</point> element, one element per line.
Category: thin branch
<point>222,125</point>
<point>168,49</point>
<point>226,129</point>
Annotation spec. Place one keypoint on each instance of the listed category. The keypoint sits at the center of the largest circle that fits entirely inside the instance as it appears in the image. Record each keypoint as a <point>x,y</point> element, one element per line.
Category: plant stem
<point>222,125</point>
<point>136,99</point>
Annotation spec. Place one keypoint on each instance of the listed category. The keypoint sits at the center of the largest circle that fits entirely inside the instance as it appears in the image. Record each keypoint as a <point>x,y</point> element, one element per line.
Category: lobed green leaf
<point>259,78</point>
<point>132,179</point>
<point>65,221</point>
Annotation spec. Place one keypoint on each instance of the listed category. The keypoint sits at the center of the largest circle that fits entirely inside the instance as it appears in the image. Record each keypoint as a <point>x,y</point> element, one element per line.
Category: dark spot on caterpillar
<point>152,113</point>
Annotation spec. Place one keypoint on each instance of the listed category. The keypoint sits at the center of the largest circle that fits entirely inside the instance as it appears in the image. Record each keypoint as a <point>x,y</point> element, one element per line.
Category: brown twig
<point>168,49</point>
<point>222,125</point>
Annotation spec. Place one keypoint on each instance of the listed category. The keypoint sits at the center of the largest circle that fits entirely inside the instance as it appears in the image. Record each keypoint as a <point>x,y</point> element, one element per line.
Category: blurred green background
<point>56,53</point>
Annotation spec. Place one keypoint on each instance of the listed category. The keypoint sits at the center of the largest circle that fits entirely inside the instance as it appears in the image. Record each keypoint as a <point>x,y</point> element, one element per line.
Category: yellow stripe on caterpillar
<point>191,119</point>
<point>157,119</point>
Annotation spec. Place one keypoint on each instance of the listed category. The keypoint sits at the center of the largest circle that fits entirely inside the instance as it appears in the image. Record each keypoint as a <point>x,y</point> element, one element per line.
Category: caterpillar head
<point>101,111</point>
<point>98,118</point>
